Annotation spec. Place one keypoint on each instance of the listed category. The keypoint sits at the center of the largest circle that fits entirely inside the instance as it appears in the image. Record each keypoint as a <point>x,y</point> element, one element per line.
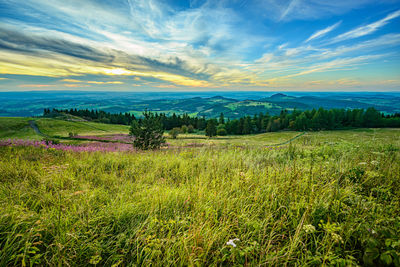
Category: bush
<point>190,129</point>
<point>184,129</point>
<point>51,141</point>
<point>221,132</point>
<point>174,132</point>
<point>148,132</point>
<point>71,134</point>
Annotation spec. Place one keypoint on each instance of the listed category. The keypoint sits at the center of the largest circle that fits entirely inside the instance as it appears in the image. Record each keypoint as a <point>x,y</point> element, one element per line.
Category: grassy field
<point>19,128</point>
<point>16,128</point>
<point>53,127</point>
<point>257,140</point>
<point>329,198</point>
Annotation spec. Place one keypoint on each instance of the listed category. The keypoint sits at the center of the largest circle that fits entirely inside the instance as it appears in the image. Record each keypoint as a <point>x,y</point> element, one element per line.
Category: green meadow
<point>16,127</point>
<point>328,198</point>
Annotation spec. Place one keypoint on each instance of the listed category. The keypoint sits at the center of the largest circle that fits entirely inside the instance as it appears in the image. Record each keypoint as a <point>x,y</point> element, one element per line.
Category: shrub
<point>51,141</point>
<point>221,132</point>
<point>71,134</point>
<point>190,129</point>
<point>174,132</point>
<point>184,129</point>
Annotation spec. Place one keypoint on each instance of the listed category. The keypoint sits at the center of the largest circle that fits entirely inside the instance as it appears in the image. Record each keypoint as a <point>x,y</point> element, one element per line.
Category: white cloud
<point>391,39</point>
<point>367,29</point>
<point>288,10</point>
<point>323,32</point>
<point>291,62</point>
<point>334,65</point>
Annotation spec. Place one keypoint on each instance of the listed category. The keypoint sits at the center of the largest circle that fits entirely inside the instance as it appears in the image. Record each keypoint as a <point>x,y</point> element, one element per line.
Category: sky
<point>177,45</point>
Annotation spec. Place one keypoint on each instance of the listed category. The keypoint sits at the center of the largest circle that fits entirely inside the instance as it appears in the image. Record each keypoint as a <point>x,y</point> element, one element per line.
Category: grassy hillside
<point>54,127</point>
<point>330,198</point>
<point>20,128</point>
<point>16,128</point>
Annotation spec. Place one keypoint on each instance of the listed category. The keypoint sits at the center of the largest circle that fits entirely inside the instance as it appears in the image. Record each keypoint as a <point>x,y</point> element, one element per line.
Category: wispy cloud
<point>212,44</point>
<point>366,29</point>
<point>71,81</point>
<point>36,85</point>
<point>290,7</point>
<point>381,42</point>
<point>323,32</point>
<point>333,65</point>
<point>75,85</point>
<point>289,10</point>
<point>91,82</point>
<point>97,82</point>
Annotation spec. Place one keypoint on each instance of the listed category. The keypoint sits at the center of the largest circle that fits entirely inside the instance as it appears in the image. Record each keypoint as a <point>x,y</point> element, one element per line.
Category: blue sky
<point>136,45</point>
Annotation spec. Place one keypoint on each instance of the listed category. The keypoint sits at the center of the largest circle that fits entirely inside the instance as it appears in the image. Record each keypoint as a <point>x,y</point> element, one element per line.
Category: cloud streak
<point>367,29</point>
<point>323,32</point>
<point>290,10</point>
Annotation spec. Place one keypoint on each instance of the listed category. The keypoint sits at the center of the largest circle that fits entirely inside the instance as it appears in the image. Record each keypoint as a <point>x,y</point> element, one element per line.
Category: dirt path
<point>288,141</point>
<point>34,126</point>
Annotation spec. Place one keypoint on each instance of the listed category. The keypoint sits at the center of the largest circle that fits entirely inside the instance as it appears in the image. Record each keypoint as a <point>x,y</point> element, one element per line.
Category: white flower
<point>362,163</point>
<point>309,228</point>
<point>231,242</point>
<point>337,238</point>
<point>374,162</point>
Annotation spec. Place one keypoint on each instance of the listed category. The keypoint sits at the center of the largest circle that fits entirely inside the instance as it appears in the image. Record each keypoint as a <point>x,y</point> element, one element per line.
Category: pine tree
<point>221,118</point>
<point>247,125</point>
<point>148,132</point>
<point>211,128</point>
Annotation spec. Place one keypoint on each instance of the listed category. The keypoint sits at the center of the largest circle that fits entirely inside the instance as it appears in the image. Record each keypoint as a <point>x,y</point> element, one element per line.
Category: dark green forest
<point>309,120</point>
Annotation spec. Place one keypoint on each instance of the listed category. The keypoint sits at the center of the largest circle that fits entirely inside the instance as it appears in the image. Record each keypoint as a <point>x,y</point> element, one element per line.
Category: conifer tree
<point>211,128</point>
<point>148,132</point>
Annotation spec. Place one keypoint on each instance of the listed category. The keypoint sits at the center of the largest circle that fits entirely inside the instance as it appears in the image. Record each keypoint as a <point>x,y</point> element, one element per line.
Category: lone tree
<point>148,132</point>
<point>211,128</point>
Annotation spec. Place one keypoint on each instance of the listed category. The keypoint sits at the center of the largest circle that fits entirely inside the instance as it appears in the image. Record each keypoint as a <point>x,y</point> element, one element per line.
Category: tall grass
<point>313,202</point>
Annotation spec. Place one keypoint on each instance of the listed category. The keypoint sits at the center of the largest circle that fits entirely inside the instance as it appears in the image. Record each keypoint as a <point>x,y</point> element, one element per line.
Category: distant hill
<point>280,96</point>
<point>209,104</point>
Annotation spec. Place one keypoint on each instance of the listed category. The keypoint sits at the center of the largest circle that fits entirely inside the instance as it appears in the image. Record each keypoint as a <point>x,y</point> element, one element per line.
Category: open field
<point>53,127</point>
<point>19,128</point>
<point>257,140</point>
<point>329,198</point>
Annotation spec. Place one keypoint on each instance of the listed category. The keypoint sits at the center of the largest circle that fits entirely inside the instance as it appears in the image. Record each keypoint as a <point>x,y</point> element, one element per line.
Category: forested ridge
<point>310,120</point>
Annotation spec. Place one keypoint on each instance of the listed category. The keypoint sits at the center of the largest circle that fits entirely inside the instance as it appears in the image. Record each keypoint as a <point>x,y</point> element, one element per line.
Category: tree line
<point>309,120</point>
<point>93,115</point>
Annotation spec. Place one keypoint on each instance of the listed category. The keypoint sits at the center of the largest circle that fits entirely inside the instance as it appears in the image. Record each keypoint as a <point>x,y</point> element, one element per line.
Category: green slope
<point>54,127</point>
<point>16,128</point>
<point>20,128</point>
